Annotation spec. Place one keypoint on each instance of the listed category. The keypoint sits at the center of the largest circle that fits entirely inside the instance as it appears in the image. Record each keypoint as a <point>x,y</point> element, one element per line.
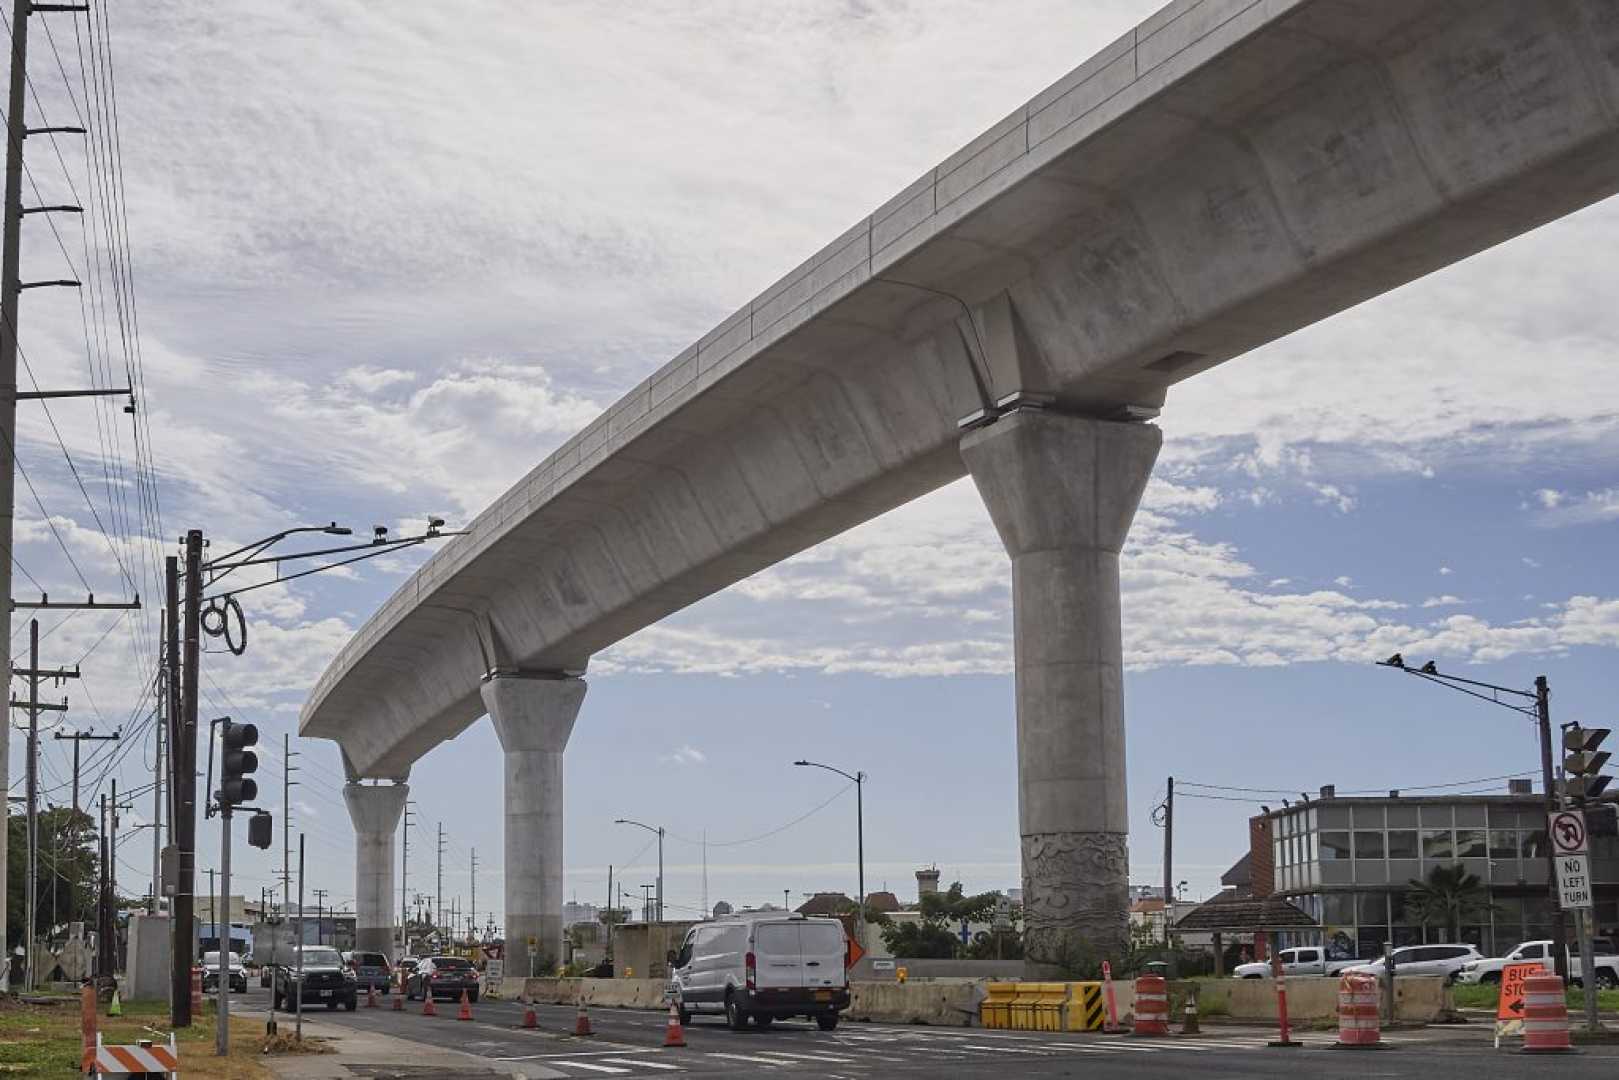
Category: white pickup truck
<point>1530,952</point>
<point>1305,960</point>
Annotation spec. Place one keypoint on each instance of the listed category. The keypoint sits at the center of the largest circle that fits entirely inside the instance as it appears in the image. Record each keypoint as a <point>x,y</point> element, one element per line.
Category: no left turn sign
<point>1567,828</point>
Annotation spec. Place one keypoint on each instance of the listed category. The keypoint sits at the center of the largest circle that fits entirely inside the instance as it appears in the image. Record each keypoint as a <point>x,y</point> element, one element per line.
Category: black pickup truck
<point>325,980</point>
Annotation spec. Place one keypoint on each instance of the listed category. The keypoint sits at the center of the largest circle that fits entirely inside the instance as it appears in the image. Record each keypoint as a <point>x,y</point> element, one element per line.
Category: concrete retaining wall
<point>1418,998</point>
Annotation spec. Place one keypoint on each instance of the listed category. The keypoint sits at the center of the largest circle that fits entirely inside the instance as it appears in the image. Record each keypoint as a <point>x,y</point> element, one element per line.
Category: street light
<point>859,779</point>
<point>659,831</point>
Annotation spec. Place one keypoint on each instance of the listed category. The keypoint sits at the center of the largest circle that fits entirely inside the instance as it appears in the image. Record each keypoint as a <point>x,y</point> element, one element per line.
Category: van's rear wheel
<point>827,1021</point>
<point>735,1018</point>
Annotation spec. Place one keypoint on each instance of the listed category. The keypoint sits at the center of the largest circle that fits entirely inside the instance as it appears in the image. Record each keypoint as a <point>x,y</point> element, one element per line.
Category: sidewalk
<point>372,1056</point>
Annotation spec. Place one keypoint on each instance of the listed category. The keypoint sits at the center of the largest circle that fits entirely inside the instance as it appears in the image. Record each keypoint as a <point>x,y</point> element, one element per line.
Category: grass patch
<point>43,1040</point>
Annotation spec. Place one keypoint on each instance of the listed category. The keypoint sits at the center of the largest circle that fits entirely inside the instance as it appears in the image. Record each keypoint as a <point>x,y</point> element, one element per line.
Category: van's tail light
<point>752,972</point>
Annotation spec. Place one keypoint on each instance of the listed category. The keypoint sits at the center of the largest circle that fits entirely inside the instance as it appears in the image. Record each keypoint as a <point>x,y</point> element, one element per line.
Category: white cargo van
<point>762,968</point>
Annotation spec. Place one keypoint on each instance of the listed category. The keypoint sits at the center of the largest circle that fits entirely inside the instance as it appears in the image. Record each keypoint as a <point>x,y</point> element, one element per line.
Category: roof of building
<point>826,903</point>
<point>883,902</point>
<point>1241,874</point>
<point>1239,914</point>
<point>1147,905</point>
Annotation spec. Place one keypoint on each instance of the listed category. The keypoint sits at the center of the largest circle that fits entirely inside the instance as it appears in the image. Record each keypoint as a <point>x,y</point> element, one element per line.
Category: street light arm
<point>638,824</point>
<point>829,768</point>
<point>334,529</point>
<point>1450,683</point>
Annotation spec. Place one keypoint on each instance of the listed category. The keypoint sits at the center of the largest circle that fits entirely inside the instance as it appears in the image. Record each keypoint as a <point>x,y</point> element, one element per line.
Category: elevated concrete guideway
<point>1227,172</point>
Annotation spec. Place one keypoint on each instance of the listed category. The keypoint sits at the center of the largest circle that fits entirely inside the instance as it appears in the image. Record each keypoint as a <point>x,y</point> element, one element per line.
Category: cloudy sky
<point>387,256</point>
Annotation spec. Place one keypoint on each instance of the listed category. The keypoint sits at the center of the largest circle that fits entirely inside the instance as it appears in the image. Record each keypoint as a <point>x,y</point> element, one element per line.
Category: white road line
<point>1000,1049</point>
<point>811,1057</point>
<point>594,1068</point>
<point>745,1057</point>
<point>641,1063</point>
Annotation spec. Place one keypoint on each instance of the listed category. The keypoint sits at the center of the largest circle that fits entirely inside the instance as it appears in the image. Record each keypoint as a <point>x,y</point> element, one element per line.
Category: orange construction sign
<point>1510,1006</point>
<point>855,952</point>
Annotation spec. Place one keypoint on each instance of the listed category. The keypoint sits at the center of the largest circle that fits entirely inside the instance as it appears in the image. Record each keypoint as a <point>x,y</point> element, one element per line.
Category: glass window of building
<point>1504,844</point>
<point>1369,941</point>
<point>1533,843</point>
<point>1400,913</point>
<point>1368,843</point>
<point>1470,844</point>
<point>1402,843</point>
<point>1334,846</point>
<point>1338,909</point>
<point>1372,907</point>
<point>1436,844</point>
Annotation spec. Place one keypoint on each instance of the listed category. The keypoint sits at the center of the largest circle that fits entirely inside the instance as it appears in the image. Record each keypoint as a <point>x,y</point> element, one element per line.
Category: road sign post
<point>1570,854</point>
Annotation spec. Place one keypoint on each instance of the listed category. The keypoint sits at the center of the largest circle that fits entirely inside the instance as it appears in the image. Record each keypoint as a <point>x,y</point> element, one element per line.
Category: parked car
<point>1445,960</point>
<point>443,976</point>
<point>406,965</point>
<point>1532,952</point>
<point>763,969</point>
<point>1305,960</point>
<point>371,970</point>
<point>325,980</point>
<point>237,972</point>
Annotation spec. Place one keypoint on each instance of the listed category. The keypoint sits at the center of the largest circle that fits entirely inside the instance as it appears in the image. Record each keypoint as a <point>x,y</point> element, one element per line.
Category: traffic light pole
<point>183,755</point>
<point>222,982</point>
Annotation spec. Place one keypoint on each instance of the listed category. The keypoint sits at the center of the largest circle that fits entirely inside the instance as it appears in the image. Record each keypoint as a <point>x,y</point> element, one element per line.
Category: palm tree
<point>1446,897</point>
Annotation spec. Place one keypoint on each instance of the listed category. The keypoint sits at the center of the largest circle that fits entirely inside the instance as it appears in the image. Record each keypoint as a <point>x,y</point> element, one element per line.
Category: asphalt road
<point>630,1044</point>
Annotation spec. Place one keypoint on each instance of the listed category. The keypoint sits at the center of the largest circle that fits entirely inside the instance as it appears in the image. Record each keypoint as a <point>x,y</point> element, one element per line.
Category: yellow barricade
<point>1040,1006</point>
<point>995,1011</point>
<point>1085,1009</point>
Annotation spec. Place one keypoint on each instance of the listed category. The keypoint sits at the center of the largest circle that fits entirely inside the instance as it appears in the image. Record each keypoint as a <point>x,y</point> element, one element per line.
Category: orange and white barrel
<point>1358,1023</point>
<point>1152,1006</point>
<point>1545,1016</point>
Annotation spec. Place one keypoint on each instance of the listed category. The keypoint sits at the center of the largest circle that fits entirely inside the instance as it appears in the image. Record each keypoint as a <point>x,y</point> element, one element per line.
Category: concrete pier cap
<point>1062,491</point>
<point>533,714</point>
<point>375,811</point>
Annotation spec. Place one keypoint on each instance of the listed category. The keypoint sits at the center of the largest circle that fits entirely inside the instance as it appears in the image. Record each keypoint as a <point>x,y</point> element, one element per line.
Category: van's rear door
<point>778,959</point>
<point>822,946</point>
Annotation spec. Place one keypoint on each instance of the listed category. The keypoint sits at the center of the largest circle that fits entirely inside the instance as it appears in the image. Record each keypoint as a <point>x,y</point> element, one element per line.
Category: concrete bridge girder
<point>1222,175</point>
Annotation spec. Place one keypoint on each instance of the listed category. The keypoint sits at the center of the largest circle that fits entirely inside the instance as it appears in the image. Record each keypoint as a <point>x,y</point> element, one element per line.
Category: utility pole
<point>184,756</point>
<point>1543,715</point>
<point>76,738</point>
<point>404,880</point>
<point>320,914</point>
<point>610,905</point>
<point>473,922</point>
<point>1169,860</point>
<point>438,902</point>
<point>287,769</point>
<point>157,805</point>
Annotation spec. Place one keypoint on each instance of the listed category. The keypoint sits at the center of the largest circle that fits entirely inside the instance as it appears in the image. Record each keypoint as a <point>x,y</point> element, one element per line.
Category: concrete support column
<point>533,717</point>
<point>375,812</point>
<point>1062,492</point>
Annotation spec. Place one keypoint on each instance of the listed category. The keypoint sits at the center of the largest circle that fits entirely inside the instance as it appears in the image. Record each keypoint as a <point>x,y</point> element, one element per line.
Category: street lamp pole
<point>651,829</point>
<point>859,779</point>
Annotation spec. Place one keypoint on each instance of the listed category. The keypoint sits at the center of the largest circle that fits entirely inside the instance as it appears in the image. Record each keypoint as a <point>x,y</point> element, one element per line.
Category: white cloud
<point>1445,571</point>
<point>1343,581</point>
<point>1446,600</point>
<point>1585,508</point>
<point>685,754</point>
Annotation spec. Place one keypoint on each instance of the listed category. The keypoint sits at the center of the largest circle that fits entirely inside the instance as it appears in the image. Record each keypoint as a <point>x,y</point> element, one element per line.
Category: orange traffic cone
<point>466,1008</point>
<point>371,997</point>
<point>581,1024</point>
<point>530,1018</point>
<point>428,1008</point>
<point>673,1033</point>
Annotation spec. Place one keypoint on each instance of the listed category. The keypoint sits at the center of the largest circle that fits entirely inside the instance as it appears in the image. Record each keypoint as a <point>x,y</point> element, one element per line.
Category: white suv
<point>1446,960</point>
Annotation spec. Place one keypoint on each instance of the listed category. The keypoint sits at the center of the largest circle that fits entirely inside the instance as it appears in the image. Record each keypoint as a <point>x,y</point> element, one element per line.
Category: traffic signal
<point>1583,762</point>
<point>261,830</point>
<point>237,760</point>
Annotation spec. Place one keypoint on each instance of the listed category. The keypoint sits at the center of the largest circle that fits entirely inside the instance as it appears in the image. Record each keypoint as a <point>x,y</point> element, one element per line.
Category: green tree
<point>1448,897</point>
<point>67,871</point>
<point>935,936</point>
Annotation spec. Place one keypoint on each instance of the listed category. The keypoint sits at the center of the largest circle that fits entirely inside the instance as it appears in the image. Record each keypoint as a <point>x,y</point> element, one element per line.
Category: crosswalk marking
<point>810,1057</point>
<point>594,1068</point>
<point>642,1063</point>
<point>747,1057</point>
